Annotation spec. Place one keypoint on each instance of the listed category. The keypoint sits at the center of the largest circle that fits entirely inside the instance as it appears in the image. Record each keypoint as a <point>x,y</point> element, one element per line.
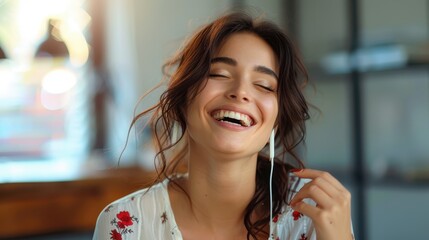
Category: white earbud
<point>272,145</point>
<point>175,133</point>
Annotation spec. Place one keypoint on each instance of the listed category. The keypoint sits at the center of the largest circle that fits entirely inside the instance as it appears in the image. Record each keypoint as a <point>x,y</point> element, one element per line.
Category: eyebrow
<point>232,62</point>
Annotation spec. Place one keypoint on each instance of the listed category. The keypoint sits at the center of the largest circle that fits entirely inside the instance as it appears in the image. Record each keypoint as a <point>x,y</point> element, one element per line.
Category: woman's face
<point>235,111</point>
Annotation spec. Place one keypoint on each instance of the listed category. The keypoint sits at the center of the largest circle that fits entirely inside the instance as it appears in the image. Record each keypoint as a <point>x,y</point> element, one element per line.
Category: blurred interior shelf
<point>380,57</point>
<point>398,183</point>
<point>408,180</point>
<point>318,73</point>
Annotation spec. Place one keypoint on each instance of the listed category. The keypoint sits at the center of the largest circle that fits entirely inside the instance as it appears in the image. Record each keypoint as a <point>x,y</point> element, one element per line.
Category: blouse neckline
<point>175,231</point>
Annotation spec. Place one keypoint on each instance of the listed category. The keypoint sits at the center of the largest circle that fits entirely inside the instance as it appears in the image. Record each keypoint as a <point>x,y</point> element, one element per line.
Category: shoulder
<point>124,216</point>
<point>134,200</point>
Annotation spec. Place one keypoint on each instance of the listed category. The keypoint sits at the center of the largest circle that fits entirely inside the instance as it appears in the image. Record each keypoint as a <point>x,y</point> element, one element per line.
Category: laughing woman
<point>234,97</point>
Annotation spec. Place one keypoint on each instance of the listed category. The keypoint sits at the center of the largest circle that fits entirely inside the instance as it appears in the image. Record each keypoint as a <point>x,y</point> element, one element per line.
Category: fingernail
<point>296,170</point>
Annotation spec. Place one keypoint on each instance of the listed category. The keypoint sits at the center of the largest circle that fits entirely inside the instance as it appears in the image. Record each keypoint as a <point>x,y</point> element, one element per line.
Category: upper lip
<point>235,109</point>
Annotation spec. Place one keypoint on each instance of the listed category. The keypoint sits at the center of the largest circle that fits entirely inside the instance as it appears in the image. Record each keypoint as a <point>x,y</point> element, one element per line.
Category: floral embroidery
<point>296,215</point>
<point>114,235</point>
<point>164,217</point>
<point>303,237</point>
<point>276,218</point>
<point>122,221</point>
<point>108,208</point>
<point>125,218</point>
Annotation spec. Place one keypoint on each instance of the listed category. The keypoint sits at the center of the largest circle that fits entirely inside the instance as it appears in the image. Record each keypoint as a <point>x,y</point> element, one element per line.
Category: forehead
<point>248,49</point>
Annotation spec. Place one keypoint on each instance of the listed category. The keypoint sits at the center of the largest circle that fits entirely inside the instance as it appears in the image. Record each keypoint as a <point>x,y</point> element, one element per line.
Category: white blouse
<point>147,214</point>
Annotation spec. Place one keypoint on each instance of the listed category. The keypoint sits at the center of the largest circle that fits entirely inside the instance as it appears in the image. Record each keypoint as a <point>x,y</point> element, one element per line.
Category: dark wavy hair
<point>189,71</point>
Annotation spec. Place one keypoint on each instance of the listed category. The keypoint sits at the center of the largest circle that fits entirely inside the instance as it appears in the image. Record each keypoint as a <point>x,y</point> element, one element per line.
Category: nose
<point>238,92</point>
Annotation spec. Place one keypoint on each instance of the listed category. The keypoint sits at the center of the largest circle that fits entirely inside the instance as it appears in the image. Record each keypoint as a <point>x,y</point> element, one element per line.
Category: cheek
<point>209,92</point>
<point>270,108</point>
<point>197,105</point>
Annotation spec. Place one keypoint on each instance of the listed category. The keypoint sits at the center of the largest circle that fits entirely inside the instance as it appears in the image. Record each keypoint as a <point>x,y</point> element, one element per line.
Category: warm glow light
<point>32,20</point>
<point>72,34</point>
<point>54,101</point>
<point>78,48</point>
<point>33,13</point>
<point>56,86</point>
<point>59,81</point>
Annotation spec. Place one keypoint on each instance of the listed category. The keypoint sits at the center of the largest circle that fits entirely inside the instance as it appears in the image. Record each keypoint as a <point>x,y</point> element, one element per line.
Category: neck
<point>220,187</point>
<point>216,194</point>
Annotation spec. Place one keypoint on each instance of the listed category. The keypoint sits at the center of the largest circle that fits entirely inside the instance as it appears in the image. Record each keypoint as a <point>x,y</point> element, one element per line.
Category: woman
<point>236,85</point>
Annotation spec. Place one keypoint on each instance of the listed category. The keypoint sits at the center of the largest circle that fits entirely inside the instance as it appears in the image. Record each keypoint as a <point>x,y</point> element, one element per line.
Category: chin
<point>234,149</point>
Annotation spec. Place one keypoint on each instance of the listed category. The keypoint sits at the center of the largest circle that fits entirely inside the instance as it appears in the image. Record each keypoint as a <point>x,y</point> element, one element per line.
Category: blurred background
<point>72,72</point>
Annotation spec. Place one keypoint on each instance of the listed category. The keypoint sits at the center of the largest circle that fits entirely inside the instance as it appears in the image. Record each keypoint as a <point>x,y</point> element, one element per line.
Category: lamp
<point>53,46</point>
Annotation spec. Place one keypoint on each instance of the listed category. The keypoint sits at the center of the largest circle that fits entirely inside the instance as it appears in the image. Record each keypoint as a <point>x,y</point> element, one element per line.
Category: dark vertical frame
<point>355,87</point>
<point>97,10</point>
<point>291,19</point>
<point>357,121</point>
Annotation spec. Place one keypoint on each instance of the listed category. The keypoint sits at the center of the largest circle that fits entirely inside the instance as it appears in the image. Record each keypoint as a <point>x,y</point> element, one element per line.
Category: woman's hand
<point>331,215</point>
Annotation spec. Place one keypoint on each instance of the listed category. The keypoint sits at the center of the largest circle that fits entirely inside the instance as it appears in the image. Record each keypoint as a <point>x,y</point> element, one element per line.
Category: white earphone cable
<point>272,143</point>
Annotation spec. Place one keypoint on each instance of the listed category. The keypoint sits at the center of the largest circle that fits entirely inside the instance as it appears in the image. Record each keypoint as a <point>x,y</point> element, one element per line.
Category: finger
<point>326,186</point>
<point>312,174</point>
<point>315,193</point>
<point>306,209</point>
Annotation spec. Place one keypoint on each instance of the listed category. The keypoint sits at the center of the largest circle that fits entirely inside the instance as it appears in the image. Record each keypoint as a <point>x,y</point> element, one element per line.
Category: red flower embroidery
<point>275,218</point>
<point>125,218</point>
<point>296,215</point>
<point>121,224</point>
<point>114,235</point>
<point>122,221</point>
<point>303,237</point>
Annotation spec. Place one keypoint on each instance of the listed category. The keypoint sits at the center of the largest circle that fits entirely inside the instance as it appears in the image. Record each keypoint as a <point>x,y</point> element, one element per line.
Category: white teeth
<point>243,118</point>
<point>237,115</point>
<point>227,114</point>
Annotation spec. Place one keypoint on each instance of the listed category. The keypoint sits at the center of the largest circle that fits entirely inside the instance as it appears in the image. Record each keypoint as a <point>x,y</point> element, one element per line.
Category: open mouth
<point>232,117</point>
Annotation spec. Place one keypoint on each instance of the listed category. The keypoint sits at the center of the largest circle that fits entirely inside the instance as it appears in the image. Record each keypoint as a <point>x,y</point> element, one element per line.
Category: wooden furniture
<point>49,207</point>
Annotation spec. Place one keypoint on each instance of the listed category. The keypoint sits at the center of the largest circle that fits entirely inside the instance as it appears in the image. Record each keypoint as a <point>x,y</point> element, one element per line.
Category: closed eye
<point>269,89</point>
<point>214,75</point>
